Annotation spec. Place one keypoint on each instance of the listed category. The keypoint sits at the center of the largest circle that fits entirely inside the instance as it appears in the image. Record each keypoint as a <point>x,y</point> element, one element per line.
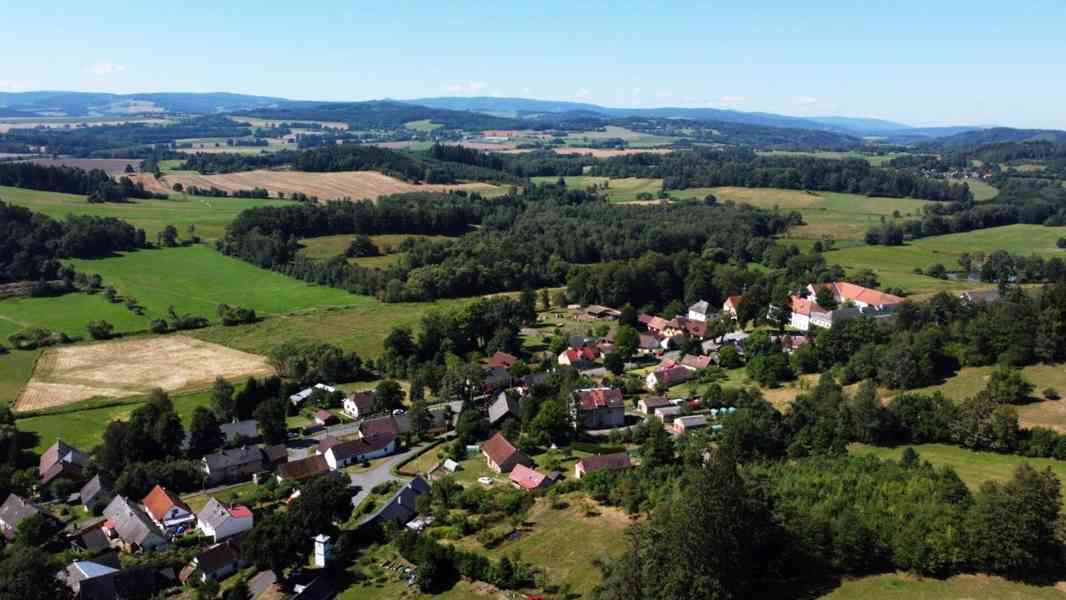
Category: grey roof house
<point>132,526</point>
<point>96,492</point>
<point>505,405</point>
<point>14,511</point>
<point>401,508</point>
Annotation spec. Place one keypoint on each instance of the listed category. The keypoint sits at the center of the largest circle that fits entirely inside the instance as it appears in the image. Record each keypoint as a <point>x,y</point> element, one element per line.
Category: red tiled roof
<point>160,500</point>
<point>379,426</point>
<point>658,323</point>
<point>696,362</point>
<point>645,318</point>
<point>857,293</point>
<point>595,398</point>
<point>803,306</point>
<point>526,478</point>
<point>498,449</point>
<point>304,468</point>
<point>502,359</point>
<point>673,375</point>
<point>240,512</point>
<point>733,301</point>
<point>696,328</point>
<point>364,401</point>
<point>612,462</point>
<point>579,354</point>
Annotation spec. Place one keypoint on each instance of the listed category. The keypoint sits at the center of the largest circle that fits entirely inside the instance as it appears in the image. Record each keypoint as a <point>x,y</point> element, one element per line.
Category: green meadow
<point>618,190</point>
<point>876,160</point>
<point>895,264</point>
<point>974,468</point>
<point>899,586</point>
<point>209,215</point>
<point>634,139</point>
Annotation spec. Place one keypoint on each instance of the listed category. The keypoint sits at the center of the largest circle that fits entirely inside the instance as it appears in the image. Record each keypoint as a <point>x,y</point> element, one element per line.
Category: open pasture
<point>123,368</point>
<point>258,122</point>
<point>349,184</point>
<point>333,245</point>
<point>424,125</point>
<point>895,264</point>
<point>841,216</point>
<point>876,160</point>
<point>196,279</point>
<point>209,215</point>
<point>608,152</point>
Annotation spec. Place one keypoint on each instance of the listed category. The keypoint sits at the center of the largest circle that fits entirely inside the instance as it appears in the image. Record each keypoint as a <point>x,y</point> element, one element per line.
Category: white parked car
<point>485,480</point>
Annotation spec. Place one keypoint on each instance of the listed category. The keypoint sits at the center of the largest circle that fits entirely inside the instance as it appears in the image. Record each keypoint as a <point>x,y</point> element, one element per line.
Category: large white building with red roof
<point>852,300</point>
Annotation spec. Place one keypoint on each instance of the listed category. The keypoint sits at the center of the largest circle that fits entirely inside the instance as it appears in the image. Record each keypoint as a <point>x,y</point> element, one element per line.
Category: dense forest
<point>527,239</point>
<point>126,140</point>
<point>742,134</point>
<point>31,244</point>
<point>95,183</point>
<point>388,115</point>
<point>743,167</point>
<point>408,166</point>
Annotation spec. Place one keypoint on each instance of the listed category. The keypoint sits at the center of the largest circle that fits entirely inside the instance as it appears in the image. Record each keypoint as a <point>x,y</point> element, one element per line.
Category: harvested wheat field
<point>123,368</point>
<point>346,184</point>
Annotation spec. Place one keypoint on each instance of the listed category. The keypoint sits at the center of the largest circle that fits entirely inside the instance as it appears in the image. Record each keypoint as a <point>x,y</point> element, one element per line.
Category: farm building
<point>62,461</point>
<point>346,453</point>
<point>603,462</point>
<point>668,413</point>
<point>305,468</point>
<point>298,398</point>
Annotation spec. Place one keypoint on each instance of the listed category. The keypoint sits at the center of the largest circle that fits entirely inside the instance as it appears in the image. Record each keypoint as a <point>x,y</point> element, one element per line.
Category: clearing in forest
<point>346,184</point>
<point>123,368</point>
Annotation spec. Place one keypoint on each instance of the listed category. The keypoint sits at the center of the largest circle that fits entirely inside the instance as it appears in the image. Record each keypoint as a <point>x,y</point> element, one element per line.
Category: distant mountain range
<point>492,112</point>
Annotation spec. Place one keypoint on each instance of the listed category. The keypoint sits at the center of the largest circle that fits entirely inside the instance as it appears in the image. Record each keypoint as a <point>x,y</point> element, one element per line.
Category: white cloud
<point>806,100</point>
<point>526,91</point>
<point>466,88</point>
<point>582,93</point>
<point>663,94</point>
<point>105,67</point>
<point>635,92</point>
<point>9,85</point>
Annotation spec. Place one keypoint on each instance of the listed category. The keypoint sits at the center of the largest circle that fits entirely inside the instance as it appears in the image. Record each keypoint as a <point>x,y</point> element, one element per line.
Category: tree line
<point>32,244</point>
<point>743,167</point>
<point>95,183</point>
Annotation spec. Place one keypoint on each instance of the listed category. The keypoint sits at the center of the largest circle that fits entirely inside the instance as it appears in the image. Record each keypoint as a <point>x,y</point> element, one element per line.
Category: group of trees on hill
<point>743,167</point>
<point>96,184</point>
<point>125,140</point>
<point>32,244</point>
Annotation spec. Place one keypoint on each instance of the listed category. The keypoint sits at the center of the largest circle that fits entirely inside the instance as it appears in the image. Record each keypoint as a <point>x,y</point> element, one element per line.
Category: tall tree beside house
<point>205,435</point>
<point>825,298</point>
<point>658,449</point>
<point>271,417</point>
<point>626,341</point>
<point>222,399</point>
<point>388,396</point>
<point>528,301</point>
<point>545,299</point>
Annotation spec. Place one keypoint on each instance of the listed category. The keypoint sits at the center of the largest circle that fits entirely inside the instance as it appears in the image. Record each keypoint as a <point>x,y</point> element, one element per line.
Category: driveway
<point>381,473</point>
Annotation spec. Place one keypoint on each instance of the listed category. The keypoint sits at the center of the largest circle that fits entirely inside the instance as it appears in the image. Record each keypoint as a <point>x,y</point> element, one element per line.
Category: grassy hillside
<point>209,215</point>
<point>960,587</point>
<point>618,190</point>
<point>974,468</point>
<point>895,264</point>
<point>197,279</point>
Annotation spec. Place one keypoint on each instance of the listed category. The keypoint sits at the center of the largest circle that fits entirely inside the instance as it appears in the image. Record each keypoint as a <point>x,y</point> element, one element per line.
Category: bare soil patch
<point>117,369</point>
<point>347,184</point>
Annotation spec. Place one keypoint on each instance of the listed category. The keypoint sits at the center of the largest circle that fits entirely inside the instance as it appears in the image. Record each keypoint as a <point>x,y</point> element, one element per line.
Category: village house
<point>299,397</point>
<point>683,424</point>
<point>667,414</point>
<point>505,405</point>
<point>649,404</point>
<point>598,408</point>
<point>668,376</point>
<point>219,522</point>
<point>323,417</point>
<point>387,426</point>
<point>502,360</point>
<point>84,572</point>
<point>696,363</point>
<point>525,478</point>
<point>402,507</point>
<point>240,432</point>
<point>647,343</point>
<point>62,461</point>
<point>305,468</point>
<point>359,405</point>
<point>596,311</point>
<point>618,461</point>
<point>168,510</point>
<point>699,311</point>
<point>217,562</point>
<point>496,378</point>
<point>235,464</point>
<point>579,357</point>
<point>275,455</point>
<point>129,527</point>
<point>791,342</point>
<point>95,493</point>
<point>363,449</point>
<point>501,456</point>
<point>14,511</point>
<point>696,329</point>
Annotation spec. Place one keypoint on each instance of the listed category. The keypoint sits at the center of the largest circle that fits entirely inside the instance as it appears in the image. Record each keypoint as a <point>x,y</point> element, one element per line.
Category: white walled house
<point>346,453</point>
<point>218,522</point>
<point>699,310</point>
<point>359,405</point>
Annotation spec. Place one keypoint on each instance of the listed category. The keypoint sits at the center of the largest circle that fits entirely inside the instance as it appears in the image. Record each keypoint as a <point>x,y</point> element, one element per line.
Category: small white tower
<point>323,549</point>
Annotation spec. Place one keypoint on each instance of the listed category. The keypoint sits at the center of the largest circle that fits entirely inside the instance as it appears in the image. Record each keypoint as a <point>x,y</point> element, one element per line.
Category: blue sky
<point>933,62</point>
